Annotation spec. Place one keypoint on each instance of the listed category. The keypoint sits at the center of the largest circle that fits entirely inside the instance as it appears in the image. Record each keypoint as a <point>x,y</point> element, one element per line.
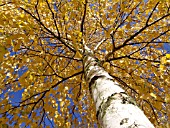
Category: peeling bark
<point>115,109</point>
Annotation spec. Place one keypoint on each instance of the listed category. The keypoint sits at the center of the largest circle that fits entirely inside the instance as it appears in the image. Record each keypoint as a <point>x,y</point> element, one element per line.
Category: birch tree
<point>84,63</point>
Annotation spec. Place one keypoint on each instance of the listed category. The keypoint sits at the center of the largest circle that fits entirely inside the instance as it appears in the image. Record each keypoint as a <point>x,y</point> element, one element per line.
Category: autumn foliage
<point>41,71</point>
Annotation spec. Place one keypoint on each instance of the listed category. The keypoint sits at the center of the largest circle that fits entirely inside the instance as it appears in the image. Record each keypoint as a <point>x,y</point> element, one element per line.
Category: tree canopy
<point>41,71</point>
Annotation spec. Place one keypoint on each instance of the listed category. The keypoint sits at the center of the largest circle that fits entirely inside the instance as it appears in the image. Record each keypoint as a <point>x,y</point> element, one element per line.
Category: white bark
<point>115,109</point>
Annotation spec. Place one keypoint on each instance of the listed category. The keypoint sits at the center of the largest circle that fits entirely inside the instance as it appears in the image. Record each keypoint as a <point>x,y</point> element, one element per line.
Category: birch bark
<point>115,109</point>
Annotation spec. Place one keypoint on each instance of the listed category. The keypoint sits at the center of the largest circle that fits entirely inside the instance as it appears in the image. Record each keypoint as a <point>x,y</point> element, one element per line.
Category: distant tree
<point>84,63</point>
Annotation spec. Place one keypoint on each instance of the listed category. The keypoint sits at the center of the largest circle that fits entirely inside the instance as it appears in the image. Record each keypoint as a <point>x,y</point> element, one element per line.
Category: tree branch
<point>84,16</point>
<point>48,30</point>
<point>53,16</point>
<point>151,13</point>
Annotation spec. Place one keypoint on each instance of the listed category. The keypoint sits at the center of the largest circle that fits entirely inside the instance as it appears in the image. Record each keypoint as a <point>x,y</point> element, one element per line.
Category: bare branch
<point>84,16</point>
<point>53,16</point>
<point>97,46</point>
<point>78,73</point>
<point>123,83</point>
<point>137,33</point>
<point>125,18</point>
<point>151,13</point>
<point>36,8</point>
<point>5,4</point>
<point>48,30</point>
<point>154,42</point>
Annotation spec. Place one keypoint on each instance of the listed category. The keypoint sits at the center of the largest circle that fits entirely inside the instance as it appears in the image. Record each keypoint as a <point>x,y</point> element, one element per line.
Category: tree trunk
<point>115,109</point>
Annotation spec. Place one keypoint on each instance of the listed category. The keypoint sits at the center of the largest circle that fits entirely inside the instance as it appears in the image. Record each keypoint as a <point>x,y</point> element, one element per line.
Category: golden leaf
<point>153,95</point>
<point>167,98</point>
<point>128,26</point>
<point>78,55</point>
<point>168,56</point>
<point>163,60</point>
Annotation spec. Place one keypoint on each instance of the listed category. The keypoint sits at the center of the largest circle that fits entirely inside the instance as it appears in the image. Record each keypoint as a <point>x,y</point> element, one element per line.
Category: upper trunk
<point>115,109</point>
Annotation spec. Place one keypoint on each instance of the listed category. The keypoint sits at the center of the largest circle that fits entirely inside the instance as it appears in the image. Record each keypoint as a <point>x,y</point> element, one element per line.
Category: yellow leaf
<point>145,96</point>
<point>4,126</point>
<point>153,95</point>
<point>78,55</point>
<point>163,60</point>
<point>106,65</point>
<point>120,33</point>
<point>128,26</point>
<point>158,105</point>
<point>22,15</point>
<point>61,103</point>
<point>66,18</point>
<point>80,34</point>
<point>56,115</point>
<point>162,67</point>
<point>1,30</point>
<point>67,124</point>
<point>167,98</point>
<point>108,33</point>
<point>168,56</point>
<point>31,77</point>
<point>3,50</point>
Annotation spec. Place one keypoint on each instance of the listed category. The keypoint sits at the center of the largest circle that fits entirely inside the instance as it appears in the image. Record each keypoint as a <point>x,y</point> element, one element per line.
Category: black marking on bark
<point>92,82</point>
<point>128,100</point>
<point>134,125</point>
<point>125,98</point>
<point>124,121</point>
<point>94,79</point>
<point>105,105</point>
<point>87,64</point>
<point>98,111</point>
